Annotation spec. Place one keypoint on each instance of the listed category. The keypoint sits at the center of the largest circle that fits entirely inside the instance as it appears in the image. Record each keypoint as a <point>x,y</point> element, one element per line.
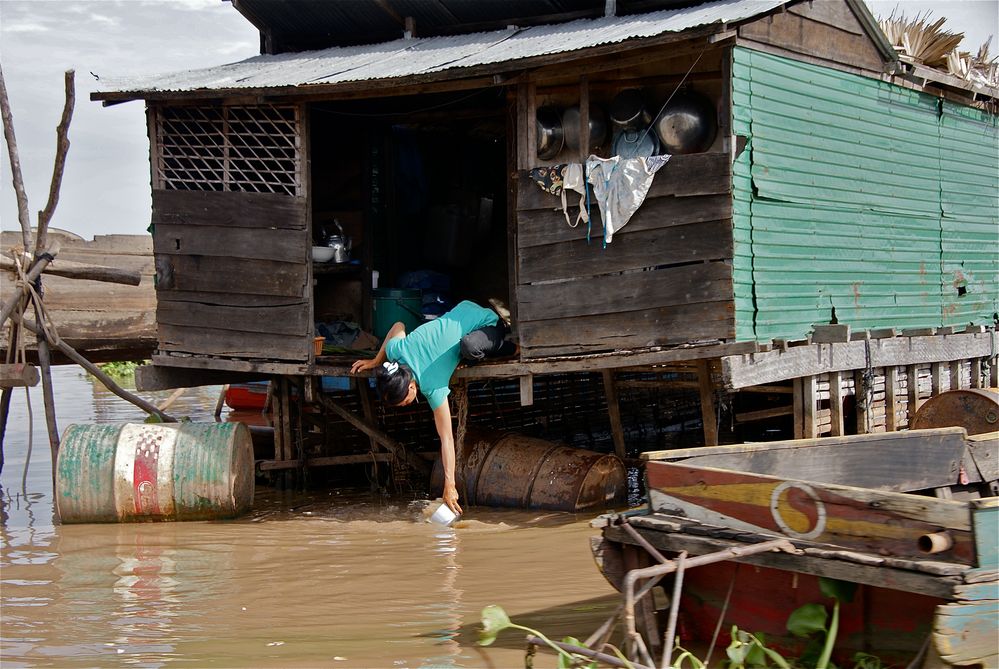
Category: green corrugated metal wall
<point>858,194</point>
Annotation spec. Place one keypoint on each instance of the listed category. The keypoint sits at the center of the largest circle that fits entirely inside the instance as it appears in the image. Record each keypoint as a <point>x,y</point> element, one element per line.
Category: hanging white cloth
<point>620,186</point>
<point>573,179</point>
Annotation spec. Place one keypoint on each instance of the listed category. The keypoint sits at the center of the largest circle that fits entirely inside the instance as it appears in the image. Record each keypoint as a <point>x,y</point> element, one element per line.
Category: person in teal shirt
<point>423,362</point>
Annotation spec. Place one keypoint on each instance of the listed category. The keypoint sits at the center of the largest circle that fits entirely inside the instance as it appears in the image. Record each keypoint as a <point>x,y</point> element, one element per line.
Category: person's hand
<point>451,498</point>
<point>363,365</point>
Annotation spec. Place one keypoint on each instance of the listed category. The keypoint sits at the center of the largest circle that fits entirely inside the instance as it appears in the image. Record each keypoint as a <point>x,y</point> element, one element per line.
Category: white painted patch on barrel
<point>136,437</point>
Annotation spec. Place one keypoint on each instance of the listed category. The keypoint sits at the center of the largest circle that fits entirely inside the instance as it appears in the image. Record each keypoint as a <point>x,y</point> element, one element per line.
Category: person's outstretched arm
<point>442,420</point>
<point>397,330</point>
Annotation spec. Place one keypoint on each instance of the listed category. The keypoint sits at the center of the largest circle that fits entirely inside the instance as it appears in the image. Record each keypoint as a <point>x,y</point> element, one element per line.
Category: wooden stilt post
<point>912,381</point>
<point>614,413</point>
<point>367,408</point>
<point>976,372</point>
<point>936,379</point>
<point>808,401</point>
<point>707,392</point>
<point>798,402</point>
<point>836,404</point>
<point>891,400</point>
<point>955,375</point>
<point>863,411</point>
<point>460,395</point>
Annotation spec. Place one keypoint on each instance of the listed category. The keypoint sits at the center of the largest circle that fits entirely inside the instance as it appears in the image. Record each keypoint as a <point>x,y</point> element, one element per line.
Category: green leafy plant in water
<point>495,620</point>
<point>124,369</point>
<point>806,621</point>
<point>749,650</point>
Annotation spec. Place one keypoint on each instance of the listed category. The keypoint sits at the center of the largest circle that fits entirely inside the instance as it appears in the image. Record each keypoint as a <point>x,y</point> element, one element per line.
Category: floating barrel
<point>505,469</point>
<point>166,471</point>
<point>974,409</point>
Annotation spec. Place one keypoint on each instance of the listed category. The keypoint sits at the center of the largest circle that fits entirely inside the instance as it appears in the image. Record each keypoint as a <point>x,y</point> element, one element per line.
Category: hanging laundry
<point>574,178</point>
<point>549,179</point>
<point>620,186</point>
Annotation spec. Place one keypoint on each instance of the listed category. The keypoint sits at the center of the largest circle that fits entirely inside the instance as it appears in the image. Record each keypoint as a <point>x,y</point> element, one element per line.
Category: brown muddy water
<point>325,579</point>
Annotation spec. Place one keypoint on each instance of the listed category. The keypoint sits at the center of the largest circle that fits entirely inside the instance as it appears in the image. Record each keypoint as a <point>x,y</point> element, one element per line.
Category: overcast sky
<point>106,184</point>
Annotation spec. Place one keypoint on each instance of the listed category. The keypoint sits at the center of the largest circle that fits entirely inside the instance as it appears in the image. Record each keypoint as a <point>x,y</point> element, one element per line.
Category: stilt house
<point>844,186</point>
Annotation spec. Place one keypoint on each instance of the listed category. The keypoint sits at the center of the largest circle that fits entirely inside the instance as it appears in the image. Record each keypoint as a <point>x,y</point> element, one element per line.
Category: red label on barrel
<point>144,474</point>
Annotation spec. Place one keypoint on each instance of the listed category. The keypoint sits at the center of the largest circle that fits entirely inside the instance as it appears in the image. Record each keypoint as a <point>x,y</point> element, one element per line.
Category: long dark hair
<point>392,381</point>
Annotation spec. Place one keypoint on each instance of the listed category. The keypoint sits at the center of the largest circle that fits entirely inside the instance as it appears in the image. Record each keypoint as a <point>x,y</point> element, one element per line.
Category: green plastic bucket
<point>392,305</point>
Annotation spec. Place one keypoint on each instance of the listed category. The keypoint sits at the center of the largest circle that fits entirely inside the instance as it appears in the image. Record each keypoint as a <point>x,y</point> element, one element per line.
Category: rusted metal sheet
<point>136,472</point>
<point>974,409</point>
<point>855,518</point>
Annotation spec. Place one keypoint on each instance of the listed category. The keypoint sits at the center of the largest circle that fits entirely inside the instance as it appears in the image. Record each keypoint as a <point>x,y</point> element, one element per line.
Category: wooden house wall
<point>233,268</point>
<point>859,195</point>
<point>666,278</point>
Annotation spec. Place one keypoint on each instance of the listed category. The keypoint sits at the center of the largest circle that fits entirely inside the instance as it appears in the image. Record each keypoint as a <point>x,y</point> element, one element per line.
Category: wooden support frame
<point>709,417</point>
<point>955,374</point>
<point>809,428</point>
<point>937,385</point>
<point>614,413</point>
<point>891,400</point>
<point>912,388</point>
<point>771,366</point>
<point>863,411</point>
<point>798,403</point>
<point>836,427</point>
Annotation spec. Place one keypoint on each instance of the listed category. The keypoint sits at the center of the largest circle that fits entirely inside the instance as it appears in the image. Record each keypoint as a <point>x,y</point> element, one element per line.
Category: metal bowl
<point>550,135</point>
<point>688,124</point>
<point>628,111</point>
<point>570,125</point>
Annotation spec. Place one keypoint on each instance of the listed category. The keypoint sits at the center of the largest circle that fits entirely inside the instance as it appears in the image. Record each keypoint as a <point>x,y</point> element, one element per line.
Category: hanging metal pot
<point>550,135</point>
<point>570,125</point>
<point>628,112</point>
<point>688,124</point>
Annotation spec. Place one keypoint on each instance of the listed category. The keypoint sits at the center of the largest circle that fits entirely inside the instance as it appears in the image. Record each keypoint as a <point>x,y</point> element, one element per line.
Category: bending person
<point>424,360</point>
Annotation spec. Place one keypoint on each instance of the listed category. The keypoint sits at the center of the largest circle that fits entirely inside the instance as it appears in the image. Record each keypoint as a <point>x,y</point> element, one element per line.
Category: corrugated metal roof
<point>432,55</point>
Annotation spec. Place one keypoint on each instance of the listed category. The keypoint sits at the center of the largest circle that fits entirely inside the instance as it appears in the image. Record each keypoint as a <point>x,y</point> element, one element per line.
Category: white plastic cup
<point>443,516</point>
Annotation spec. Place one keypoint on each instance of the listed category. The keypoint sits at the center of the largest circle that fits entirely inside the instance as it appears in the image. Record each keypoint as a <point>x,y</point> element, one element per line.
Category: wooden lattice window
<point>253,149</point>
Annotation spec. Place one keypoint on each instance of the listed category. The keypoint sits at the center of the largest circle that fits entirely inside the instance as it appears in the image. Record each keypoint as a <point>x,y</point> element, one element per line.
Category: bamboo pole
<point>15,164</point>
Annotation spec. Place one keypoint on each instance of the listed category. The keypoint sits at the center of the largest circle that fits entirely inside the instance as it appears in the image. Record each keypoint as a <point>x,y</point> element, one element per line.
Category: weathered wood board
<point>665,279</point>
<point>861,519</point>
<point>103,321</point>
<point>233,274</point>
<point>892,461</point>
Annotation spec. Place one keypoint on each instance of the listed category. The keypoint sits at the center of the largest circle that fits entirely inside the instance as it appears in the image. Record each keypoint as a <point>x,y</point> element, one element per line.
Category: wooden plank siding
<point>665,279</point>
<point>233,274</point>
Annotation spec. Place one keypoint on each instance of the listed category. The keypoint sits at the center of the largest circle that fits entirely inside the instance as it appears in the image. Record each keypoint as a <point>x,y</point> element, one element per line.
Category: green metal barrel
<point>168,471</point>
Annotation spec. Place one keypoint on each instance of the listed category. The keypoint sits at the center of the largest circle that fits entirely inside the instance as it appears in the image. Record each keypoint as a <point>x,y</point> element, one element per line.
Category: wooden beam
<point>763,414</point>
<point>836,404</point>
<point>360,459</point>
<point>860,397</point>
<point>808,399</point>
<point>955,374</point>
<point>397,448</point>
<point>778,365</point>
<point>18,375</point>
<point>708,417</point>
<point>159,377</point>
<point>891,399</point>
<point>912,389</point>
<point>798,404</point>
<point>75,270</point>
<point>614,413</point>
<point>937,385</point>
<point>527,390</point>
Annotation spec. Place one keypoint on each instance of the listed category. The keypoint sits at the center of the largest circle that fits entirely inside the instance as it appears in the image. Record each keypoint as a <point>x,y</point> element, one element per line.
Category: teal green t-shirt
<point>432,350</point>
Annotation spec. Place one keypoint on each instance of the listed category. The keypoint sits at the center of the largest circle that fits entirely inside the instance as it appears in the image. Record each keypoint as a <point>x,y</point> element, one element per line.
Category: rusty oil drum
<point>507,469</point>
<point>127,472</point>
<point>974,409</point>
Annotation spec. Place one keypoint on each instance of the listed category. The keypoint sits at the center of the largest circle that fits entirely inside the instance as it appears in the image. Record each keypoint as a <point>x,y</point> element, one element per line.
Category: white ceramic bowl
<point>322,253</point>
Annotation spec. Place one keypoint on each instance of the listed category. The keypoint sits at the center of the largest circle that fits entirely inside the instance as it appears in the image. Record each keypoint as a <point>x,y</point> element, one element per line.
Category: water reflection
<point>328,578</point>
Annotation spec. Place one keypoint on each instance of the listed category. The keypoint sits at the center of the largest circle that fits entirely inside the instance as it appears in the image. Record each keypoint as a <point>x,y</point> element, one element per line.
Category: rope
<point>27,457</point>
